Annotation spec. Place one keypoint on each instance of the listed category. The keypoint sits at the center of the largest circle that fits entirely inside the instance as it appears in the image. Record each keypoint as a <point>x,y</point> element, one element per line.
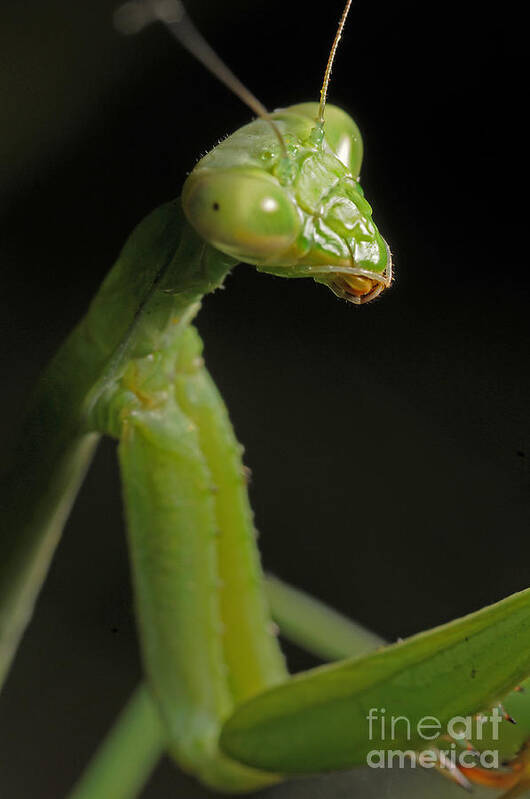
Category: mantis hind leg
<point>35,501</point>
<point>130,751</point>
<point>314,626</point>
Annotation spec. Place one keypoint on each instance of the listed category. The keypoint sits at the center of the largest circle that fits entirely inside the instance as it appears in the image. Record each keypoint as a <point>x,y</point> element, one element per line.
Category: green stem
<point>316,627</point>
<point>127,756</point>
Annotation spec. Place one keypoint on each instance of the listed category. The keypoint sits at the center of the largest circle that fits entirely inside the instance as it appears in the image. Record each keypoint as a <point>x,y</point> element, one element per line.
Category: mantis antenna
<point>133,16</point>
<point>329,66</point>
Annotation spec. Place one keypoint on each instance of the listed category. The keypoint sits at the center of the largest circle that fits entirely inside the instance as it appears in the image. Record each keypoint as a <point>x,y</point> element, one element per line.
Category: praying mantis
<point>141,379</point>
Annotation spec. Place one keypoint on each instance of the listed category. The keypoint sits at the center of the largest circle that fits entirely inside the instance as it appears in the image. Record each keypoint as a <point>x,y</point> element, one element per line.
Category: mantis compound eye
<point>246,215</point>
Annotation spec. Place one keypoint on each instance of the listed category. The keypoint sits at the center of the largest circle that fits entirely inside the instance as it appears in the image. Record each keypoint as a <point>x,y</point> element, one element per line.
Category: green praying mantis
<point>283,194</point>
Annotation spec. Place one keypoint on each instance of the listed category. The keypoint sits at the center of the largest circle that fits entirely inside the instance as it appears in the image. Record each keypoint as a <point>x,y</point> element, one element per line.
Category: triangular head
<point>294,211</point>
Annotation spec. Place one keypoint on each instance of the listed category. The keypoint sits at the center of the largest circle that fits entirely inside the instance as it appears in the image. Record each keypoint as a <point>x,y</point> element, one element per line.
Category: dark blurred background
<point>390,444</point>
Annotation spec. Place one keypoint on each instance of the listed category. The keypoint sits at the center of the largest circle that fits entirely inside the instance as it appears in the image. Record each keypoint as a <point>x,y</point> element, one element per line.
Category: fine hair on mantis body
<point>282,194</point>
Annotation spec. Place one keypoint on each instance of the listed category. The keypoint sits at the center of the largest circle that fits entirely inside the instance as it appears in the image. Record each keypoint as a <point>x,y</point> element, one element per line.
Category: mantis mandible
<point>283,194</point>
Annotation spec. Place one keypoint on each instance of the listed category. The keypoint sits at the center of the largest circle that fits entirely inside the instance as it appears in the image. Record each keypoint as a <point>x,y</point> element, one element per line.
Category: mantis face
<point>298,215</point>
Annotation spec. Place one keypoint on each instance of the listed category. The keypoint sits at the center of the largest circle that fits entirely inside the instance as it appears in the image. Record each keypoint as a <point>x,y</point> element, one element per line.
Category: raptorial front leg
<point>193,557</point>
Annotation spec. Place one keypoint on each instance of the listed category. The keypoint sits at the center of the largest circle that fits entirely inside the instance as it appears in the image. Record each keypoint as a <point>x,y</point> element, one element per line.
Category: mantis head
<point>283,192</point>
<point>300,215</point>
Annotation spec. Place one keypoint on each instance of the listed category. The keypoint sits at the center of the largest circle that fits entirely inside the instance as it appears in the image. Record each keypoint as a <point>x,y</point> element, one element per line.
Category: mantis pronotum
<point>139,377</point>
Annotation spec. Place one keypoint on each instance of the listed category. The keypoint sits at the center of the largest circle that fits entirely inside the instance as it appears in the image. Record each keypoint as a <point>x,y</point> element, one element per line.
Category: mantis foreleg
<point>208,641</point>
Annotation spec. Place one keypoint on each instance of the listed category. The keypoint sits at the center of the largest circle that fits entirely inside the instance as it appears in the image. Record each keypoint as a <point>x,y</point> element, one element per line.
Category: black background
<point>389,444</point>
